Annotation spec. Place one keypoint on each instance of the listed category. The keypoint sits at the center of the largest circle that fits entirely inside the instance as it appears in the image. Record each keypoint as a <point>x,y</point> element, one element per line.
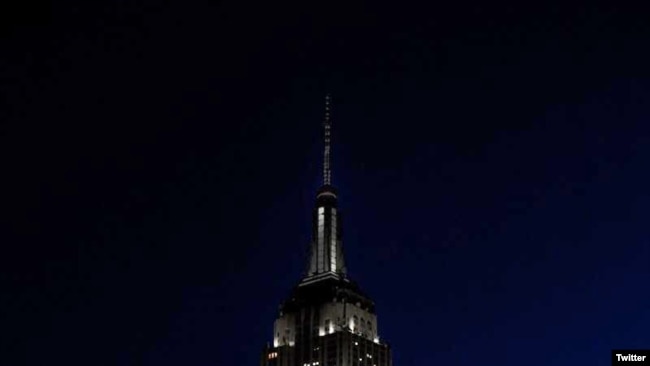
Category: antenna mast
<point>327,170</point>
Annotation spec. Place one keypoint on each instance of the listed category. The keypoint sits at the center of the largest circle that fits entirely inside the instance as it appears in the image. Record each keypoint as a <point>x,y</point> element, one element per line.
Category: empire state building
<point>326,320</point>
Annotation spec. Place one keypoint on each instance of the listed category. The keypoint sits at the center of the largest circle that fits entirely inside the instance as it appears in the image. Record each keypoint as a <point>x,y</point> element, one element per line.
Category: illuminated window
<point>321,238</point>
<point>333,263</point>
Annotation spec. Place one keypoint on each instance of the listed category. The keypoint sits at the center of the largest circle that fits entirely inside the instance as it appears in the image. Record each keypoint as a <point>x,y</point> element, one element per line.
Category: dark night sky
<point>159,162</point>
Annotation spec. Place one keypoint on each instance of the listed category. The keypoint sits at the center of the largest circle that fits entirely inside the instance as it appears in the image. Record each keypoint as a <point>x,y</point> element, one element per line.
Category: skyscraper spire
<point>326,259</point>
<point>327,319</point>
<point>327,171</point>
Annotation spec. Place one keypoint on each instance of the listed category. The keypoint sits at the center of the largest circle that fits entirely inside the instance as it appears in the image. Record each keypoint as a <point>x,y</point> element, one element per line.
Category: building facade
<point>327,320</point>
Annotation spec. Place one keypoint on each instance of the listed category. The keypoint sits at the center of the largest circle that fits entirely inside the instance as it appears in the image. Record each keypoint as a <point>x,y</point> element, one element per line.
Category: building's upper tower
<point>326,320</point>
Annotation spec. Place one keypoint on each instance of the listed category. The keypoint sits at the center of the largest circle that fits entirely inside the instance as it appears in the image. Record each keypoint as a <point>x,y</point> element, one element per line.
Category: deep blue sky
<point>159,161</point>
